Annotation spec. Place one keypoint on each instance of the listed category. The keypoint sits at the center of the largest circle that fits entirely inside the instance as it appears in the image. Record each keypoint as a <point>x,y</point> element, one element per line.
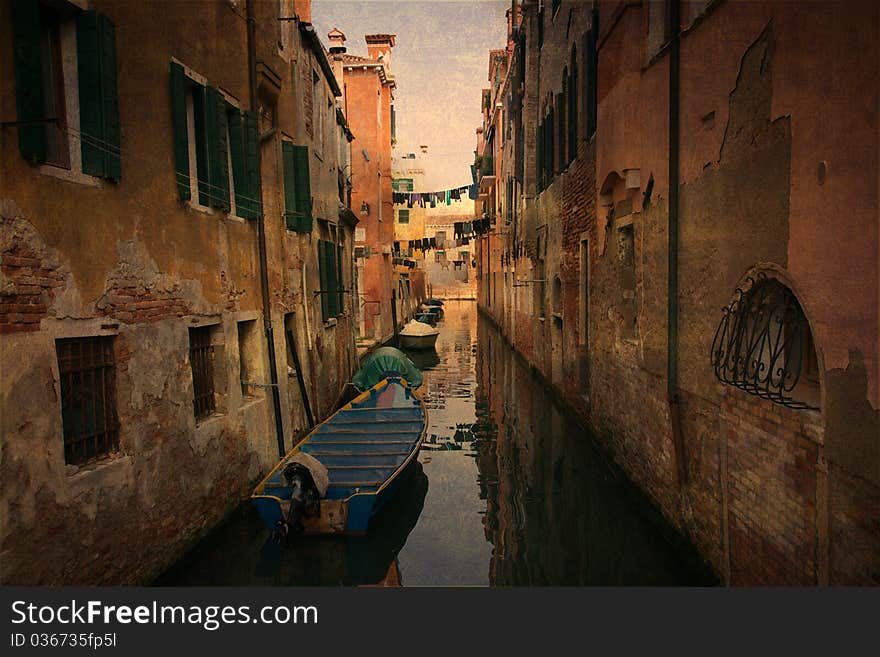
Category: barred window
<point>87,369</point>
<point>763,345</point>
<point>201,358</point>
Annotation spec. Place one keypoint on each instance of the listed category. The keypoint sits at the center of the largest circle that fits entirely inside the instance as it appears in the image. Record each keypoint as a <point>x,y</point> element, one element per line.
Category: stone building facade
<point>368,92</point>
<point>136,387</point>
<point>673,265</point>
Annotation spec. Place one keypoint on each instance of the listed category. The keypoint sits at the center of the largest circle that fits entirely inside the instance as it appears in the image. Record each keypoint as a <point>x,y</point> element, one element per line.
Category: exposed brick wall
<point>27,288</point>
<point>854,529</point>
<point>772,492</point>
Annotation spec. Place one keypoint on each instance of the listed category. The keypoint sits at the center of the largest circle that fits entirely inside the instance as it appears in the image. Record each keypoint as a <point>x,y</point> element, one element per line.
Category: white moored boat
<point>418,335</point>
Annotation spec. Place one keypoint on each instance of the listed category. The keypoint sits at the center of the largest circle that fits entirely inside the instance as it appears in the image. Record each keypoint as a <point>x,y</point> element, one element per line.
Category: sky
<point>441,64</point>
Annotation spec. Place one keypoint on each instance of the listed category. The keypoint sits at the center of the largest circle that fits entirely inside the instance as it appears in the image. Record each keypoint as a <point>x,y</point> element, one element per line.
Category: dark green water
<point>509,491</point>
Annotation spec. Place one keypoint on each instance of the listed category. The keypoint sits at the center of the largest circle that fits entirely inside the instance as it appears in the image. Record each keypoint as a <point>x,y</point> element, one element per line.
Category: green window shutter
<point>322,269</point>
<point>340,282</point>
<point>98,96</point>
<point>181,137</point>
<point>332,287</point>
<point>112,130</point>
<point>218,163</point>
<point>28,58</point>
<point>288,160</point>
<point>201,139</point>
<point>252,168</point>
<point>91,106</point>
<point>303,189</point>
<point>239,171</point>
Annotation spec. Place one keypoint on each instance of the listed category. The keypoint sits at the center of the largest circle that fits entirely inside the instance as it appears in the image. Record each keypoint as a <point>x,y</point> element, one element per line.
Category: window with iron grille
<point>763,345</point>
<point>87,369</point>
<point>201,358</point>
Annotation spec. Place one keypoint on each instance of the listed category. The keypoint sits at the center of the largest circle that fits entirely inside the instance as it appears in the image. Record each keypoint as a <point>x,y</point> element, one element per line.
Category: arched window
<point>763,345</point>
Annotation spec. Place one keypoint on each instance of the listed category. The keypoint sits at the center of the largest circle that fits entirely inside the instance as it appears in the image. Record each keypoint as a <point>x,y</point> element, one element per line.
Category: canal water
<point>509,490</point>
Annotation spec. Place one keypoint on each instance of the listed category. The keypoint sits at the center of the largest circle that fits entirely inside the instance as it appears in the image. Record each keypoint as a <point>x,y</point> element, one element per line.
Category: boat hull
<point>418,341</point>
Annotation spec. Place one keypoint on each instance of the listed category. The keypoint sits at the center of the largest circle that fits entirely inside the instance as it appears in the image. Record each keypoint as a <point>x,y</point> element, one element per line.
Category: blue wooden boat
<point>366,446</point>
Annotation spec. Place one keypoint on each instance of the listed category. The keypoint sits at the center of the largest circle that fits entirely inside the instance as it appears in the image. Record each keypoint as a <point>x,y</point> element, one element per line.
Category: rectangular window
<point>626,252</point>
<point>403,216</point>
<point>402,184</point>
<point>51,41</point>
<point>87,369</point>
<point>297,187</point>
<point>217,142</point>
<point>328,269</point>
<point>201,358</point>
<point>590,84</point>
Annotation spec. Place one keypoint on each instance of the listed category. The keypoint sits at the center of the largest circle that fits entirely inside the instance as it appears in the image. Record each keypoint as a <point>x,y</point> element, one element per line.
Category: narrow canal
<point>511,491</point>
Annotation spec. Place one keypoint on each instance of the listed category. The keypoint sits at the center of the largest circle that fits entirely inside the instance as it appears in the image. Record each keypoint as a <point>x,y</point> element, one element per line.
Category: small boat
<point>437,311</point>
<point>432,302</point>
<point>418,335</point>
<point>343,472</point>
<point>427,318</point>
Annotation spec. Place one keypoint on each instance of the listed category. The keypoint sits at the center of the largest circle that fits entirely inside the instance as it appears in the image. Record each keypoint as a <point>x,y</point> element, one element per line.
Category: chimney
<point>380,45</point>
<point>337,41</point>
<point>303,9</point>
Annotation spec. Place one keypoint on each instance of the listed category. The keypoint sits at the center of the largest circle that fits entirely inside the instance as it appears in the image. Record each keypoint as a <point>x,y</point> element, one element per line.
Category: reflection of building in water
<point>557,512</point>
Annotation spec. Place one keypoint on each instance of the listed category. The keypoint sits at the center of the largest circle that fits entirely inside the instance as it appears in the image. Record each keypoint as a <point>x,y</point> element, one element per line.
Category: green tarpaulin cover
<point>382,362</point>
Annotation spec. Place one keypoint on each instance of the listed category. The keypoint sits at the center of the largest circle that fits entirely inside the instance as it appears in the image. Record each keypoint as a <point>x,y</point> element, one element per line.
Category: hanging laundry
<point>448,198</point>
<point>468,228</point>
<point>432,242</point>
<point>455,194</point>
<point>456,228</point>
<point>473,192</point>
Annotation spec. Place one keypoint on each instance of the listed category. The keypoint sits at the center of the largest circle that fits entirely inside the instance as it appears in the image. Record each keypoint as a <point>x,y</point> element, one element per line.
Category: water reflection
<point>557,511</point>
<point>519,495</point>
<point>240,552</point>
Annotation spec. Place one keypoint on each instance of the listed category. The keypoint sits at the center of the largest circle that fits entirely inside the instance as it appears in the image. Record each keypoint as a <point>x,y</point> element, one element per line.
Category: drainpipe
<point>672,393</point>
<point>261,239</point>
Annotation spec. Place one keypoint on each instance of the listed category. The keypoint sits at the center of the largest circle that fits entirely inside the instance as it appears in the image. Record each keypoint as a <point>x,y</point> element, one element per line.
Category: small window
<point>297,187</point>
<point>201,358</point>
<point>763,345</point>
<point>218,143</point>
<point>87,369</point>
<point>328,268</point>
<point>626,255</point>
<point>403,216</point>
<point>66,87</point>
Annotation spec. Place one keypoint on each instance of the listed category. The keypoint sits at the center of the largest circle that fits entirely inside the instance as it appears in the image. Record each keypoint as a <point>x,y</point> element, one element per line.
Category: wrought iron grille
<point>87,369</point>
<point>762,341</point>
<point>201,357</point>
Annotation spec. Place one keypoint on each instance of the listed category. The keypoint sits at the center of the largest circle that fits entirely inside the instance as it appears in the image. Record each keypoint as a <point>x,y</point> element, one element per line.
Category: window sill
<point>108,461</point>
<point>209,419</point>
<point>76,177</point>
<point>329,323</point>
<point>204,209</point>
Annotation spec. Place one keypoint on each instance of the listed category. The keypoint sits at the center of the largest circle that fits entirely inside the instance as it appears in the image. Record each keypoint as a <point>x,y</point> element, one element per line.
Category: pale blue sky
<point>441,64</point>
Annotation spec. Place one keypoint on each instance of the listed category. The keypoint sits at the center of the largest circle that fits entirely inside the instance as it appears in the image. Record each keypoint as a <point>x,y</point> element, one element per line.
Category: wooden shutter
<point>590,83</point>
<point>332,287</point>
<point>340,299</point>
<point>218,163</point>
<point>288,162</point>
<point>239,170</point>
<point>201,140</point>
<point>91,106</point>
<point>98,95</point>
<point>572,115</point>
<point>322,269</point>
<point>303,190</point>
<point>29,99</point>
<point>252,165</point>
<point>110,98</point>
<point>181,137</point>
